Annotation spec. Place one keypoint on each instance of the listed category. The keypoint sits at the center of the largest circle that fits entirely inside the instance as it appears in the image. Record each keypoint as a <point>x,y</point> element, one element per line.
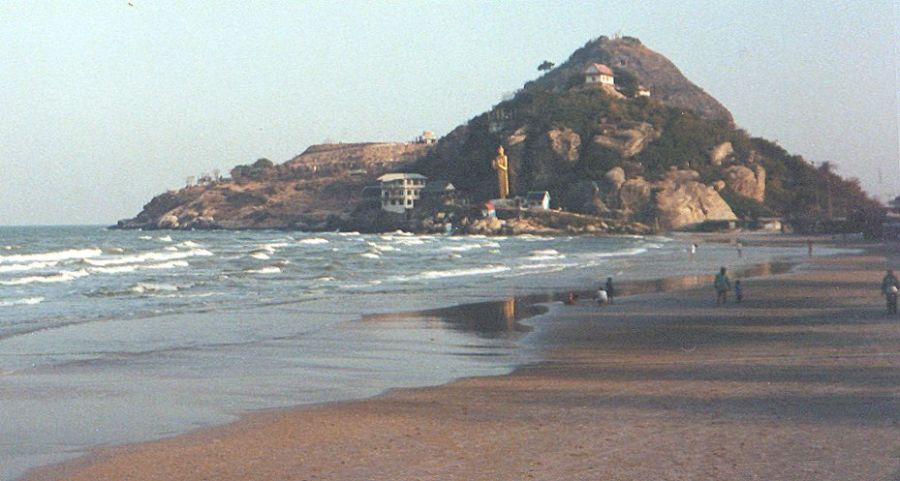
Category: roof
<point>537,195</point>
<point>400,176</point>
<point>438,186</point>
<point>598,68</point>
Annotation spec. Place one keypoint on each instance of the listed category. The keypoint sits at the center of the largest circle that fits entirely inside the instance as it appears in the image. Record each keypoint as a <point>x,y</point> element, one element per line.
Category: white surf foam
<point>370,255</point>
<point>314,241</point>
<point>27,301</point>
<point>145,287</point>
<point>472,271</point>
<point>31,266</point>
<point>462,248</point>
<point>622,253</point>
<point>55,256</point>
<point>260,255</point>
<point>265,270</point>
<point>64,276</point>
<point>146,257</point>
<point>165,238</point>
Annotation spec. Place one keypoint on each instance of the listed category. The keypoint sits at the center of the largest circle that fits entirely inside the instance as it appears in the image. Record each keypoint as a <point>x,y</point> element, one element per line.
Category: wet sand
<point>799,382</point>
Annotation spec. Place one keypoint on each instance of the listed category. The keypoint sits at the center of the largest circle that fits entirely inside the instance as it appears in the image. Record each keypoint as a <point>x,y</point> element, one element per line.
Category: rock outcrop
<point>677,200</point>
<point>564,143</point>
<point>747,182</point>
<point>628,139</point>
<point>311,191</point>
<point>720,152</point>
<point>681,201</point>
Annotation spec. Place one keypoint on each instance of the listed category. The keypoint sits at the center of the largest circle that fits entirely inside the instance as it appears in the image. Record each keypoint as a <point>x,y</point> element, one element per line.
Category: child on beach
<point>610,290</point>
<point>602,297</point>
<point>738,291</point>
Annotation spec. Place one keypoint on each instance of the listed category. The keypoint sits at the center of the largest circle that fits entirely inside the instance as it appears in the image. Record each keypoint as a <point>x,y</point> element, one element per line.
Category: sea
<point>110,337</point>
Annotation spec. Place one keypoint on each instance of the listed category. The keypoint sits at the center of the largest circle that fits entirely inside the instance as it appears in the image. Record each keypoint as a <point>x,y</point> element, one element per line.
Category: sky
<point>105,104</point>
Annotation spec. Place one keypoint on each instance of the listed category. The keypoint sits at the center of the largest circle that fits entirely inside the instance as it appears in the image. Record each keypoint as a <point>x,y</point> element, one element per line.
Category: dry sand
<point>800,382</point>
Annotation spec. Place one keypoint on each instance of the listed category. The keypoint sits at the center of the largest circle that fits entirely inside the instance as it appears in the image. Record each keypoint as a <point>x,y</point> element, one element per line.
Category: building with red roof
<point>597,73</point>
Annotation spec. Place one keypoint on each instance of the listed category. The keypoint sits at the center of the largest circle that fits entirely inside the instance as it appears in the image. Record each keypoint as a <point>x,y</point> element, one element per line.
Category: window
<point>409,202</point>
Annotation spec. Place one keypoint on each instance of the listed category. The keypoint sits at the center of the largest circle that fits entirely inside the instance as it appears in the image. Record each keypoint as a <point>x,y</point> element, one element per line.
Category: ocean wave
<point>471,271</point>
<point>124,269</point>
<point>622,253</point>
<point>190,245</point>
<point>27,301</point>
<point>462,248</point>
<point>148,257</point>
<point>545,254</point>
<point>264,270</point>
<point>31,266</point>
<point>381,247</point>
<point>145,237</point>
<point>261,255</point>
<point>165,238</point>
<point>54,256</point>
<point>64,276</point>
<point>533,269</point>
<point>149,287</point>
<point>348,234</point>
<point>412,241</point>
<point>370,255</point>
<point>313,241</point>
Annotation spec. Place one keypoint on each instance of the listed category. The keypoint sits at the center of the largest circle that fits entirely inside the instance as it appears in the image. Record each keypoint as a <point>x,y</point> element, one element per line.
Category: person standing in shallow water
<point>722,285</point>
<point>889,287</point>
<point>738,292</point>
<point>610,290</point>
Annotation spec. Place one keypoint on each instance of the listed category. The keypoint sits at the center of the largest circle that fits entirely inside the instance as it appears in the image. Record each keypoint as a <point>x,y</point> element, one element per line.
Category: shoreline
<point>253,418</point>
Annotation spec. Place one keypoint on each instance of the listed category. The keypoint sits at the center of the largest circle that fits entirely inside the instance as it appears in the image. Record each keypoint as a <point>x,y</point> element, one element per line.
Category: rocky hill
<point>654,151</point>
<point>311,191</point>
<point>639,65</point>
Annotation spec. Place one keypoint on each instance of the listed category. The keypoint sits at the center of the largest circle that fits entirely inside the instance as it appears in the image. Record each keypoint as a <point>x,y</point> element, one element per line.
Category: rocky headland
<point>654,152</point>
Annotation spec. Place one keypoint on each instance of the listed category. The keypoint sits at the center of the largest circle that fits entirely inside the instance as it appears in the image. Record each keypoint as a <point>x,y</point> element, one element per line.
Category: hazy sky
<point>105,105</point>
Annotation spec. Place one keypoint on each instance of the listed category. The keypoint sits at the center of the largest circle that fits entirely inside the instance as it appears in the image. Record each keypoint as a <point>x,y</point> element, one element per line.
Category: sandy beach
<point>799,382</point>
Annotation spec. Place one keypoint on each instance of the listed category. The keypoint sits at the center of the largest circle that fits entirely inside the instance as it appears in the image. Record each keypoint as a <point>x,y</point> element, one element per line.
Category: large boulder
<point>551,151</point>
<point>635,195</point>
<point>628,140</point>
<point>747,182</point>
<point>681,201</point>
<point>586,197</point>
<point>565,144</point>
<point>168,221</point>
<point>721,152</point>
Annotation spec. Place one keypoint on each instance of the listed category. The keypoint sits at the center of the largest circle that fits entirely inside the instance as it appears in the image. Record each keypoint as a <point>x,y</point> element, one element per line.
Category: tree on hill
<point>545,66</point>
<point>261,169</point>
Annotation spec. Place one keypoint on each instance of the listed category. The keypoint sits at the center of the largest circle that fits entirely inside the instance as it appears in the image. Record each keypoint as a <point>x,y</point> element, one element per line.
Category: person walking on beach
<point>740,249</point>
<point>738,292</point>
<point>722,285</point>
<point>890,287</point>
<point>610,290</point>
<point>693,250</point>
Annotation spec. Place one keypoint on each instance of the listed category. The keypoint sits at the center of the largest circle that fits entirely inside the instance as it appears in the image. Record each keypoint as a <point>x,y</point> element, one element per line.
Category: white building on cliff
<point>597,73</point>
<point>401,191</point>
